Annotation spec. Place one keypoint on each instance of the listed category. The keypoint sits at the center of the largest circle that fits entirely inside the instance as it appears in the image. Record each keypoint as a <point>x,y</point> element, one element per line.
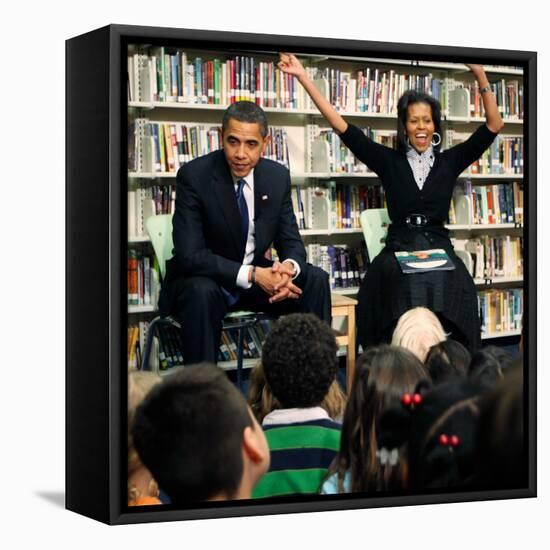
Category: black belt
<point>417,221</point>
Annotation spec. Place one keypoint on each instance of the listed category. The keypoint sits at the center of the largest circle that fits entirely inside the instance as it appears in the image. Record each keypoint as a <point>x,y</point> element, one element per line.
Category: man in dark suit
<point>231,205</point>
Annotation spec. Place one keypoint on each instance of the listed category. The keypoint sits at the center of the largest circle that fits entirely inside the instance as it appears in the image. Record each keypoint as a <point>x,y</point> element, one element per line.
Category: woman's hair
<point>501,461</point>
<point>262,401</point>
<point>418,330</point>
<point>383,374</point>
<point>408,98</point>
<point>139,385</point>
<point>448,360</point>
<point>488,365</point>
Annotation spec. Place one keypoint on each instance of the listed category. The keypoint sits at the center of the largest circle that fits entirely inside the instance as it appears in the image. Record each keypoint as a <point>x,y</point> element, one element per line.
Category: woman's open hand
<point>289,63</point>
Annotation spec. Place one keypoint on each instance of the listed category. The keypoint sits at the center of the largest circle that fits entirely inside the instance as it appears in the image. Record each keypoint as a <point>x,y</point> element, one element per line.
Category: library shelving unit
<point>167,96</point>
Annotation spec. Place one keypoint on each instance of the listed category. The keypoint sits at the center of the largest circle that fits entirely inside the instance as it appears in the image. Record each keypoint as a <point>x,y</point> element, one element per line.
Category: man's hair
<point>246,111</point>
<point>299,359</point>
<point>189,434</point>
<point>409,98</point>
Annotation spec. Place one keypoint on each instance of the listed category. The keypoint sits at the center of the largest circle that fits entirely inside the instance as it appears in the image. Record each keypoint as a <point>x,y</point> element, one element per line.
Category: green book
<point>419,261</point>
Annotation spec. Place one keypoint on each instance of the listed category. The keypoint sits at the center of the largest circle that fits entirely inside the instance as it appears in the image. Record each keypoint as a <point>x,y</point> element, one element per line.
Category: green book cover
<point>419,261</point>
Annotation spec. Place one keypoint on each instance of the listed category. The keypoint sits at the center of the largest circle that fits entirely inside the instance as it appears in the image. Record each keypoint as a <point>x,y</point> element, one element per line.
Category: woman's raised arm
<point>492,115</point>
<point>288,63</point>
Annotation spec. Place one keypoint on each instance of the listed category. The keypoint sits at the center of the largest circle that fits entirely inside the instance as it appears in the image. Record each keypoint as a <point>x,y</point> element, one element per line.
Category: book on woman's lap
<point>419,261</point>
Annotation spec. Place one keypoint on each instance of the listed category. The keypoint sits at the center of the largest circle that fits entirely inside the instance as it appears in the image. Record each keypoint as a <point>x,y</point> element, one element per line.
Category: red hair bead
<point>455,440</point>
<point>443,440</point>
<point>406,399</point>
<point>417,399</point>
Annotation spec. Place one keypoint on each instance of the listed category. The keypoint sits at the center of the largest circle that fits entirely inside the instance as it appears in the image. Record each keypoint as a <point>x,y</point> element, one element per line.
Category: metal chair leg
<point>240,353</point>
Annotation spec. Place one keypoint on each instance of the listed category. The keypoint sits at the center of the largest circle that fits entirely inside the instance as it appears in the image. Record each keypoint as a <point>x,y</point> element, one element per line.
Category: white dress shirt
<point>421,164</point>
<point>248,192</point>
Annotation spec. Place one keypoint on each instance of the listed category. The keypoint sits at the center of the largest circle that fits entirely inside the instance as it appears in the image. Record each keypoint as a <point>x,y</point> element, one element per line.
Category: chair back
<point>159,229</point>
<point>374,222</point>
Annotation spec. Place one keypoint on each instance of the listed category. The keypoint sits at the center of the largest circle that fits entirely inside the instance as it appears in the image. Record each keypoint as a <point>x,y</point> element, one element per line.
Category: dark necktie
<point>243,208</point>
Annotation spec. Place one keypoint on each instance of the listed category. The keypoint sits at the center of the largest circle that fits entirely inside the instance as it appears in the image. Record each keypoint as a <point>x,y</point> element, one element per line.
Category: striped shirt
<point>301,453</point>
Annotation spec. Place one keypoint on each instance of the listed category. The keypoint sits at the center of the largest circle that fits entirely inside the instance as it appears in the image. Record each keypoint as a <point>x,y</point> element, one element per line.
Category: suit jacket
<point>206,225</point>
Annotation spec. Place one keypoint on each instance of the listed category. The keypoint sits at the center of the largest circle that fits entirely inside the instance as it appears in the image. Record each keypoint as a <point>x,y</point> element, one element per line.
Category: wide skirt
<point>386,293</point>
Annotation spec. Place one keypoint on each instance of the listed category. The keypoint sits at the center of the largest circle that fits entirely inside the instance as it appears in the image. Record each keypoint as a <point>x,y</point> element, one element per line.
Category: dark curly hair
<point>299,359</point>
<point>409,98</point>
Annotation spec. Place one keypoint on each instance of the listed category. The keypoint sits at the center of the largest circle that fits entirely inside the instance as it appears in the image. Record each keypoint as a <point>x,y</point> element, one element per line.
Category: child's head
<point>383,374</point>
<point>418,330</point>
<point>488,365</point>
<point>299,360</point>
<point>438,434</point>
<point>448,360</point>
<point>139,385</point>
<point>198,437</point>
<point>501,455</point>
<point>262,401</point>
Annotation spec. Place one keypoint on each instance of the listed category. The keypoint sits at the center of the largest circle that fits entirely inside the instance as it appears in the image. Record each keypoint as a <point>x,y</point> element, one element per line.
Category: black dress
<point>386,293</point>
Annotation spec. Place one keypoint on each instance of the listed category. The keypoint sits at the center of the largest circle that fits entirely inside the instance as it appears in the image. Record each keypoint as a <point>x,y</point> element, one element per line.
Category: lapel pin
<point>264,197</point>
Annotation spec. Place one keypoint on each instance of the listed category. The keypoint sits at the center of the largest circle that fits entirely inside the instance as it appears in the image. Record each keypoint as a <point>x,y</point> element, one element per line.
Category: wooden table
<point>344,306</point>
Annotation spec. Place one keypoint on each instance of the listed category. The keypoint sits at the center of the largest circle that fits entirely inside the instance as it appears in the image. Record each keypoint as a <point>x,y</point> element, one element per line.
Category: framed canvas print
<point>301,274</point>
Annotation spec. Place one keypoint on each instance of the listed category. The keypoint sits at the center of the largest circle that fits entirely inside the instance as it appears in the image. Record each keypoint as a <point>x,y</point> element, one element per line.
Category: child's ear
<point>254,444</point>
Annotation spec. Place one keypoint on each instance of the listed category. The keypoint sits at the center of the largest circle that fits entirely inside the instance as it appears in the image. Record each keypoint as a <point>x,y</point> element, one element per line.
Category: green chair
<point>374,222</point>
<point>159,229</point>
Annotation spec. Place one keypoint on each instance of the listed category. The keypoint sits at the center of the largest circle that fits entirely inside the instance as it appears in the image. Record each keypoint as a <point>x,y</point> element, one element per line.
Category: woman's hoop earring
<point>436,144</point>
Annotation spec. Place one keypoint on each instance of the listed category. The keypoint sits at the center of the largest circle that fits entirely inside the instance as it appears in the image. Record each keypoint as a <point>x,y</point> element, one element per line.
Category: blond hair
<point>418,330</point>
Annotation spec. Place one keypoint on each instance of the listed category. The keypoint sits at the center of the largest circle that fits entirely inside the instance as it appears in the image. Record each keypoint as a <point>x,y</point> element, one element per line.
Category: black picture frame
<point>96,178</point>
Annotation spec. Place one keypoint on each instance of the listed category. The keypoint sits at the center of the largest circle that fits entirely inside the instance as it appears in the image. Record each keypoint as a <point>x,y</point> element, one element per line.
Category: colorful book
<point>419,261</point>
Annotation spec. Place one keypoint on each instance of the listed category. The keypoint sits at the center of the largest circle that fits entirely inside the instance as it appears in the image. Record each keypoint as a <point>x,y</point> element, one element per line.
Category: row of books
<point>509,96</point>
<point>372,90</point>
<point>325,151</point>
<point>345,265</point>
<point>143,279</point>
<point>504,156</point>
<point>136,344</point>
<point>254,337</point>
<point>500,310</point>
<point>147,201</point>
<point>340,158</point>
<point>165,146</point>
<point>490,204</point>
<point>494,257</point>
<point>334,205</point>
<point>167,351</point>
<point>171,76</point>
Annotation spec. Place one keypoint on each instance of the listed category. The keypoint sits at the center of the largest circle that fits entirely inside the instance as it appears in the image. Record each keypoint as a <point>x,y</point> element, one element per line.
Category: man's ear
<point>267,140</point>
<point>252,445</point>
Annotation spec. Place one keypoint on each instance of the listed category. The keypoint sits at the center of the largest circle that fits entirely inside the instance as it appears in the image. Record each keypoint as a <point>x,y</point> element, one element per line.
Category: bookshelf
<point>316,163</point>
